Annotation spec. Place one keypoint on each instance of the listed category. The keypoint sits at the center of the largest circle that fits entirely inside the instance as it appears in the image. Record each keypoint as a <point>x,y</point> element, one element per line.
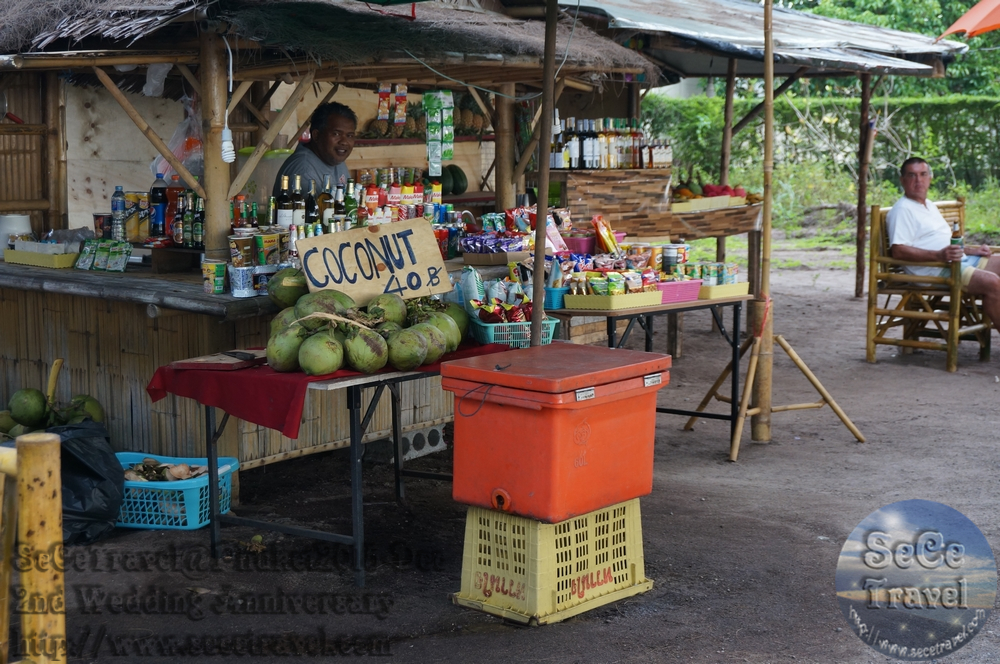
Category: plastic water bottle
<point>158,207</point>
<point>118,214</point>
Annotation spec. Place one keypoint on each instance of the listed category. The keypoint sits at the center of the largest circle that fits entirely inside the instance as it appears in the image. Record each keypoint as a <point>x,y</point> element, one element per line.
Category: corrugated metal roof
<point>697,30</point>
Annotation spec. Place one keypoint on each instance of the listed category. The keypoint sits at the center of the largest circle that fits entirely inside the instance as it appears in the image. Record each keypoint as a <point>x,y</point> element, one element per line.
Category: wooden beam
<point>578,85</point>
<point>484,106</point>
<point>522,164</point>
<point>245,103</point>
<point>272,132</point>
<point>82,61</point>
<point>23,130</point>
<point>148,132</point>
<point>190,78</point>
<point>238,94</point>
<point>259,103</point>
<point>24,206</point>
<point>755,111</point>
<point>505,147</point>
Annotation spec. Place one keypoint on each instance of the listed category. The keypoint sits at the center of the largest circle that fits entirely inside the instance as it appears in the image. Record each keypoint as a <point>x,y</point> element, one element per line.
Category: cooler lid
<point>556,368</point>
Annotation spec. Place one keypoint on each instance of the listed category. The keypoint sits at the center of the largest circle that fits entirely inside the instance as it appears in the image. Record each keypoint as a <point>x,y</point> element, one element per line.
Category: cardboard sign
<point>401,258</point>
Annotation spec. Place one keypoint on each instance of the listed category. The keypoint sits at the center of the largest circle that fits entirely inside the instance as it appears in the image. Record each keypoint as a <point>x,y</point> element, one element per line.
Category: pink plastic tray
<point>679,291</point>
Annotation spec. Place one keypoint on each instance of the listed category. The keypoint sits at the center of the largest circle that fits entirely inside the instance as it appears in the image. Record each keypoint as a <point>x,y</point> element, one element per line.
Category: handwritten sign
<point>401,258</point>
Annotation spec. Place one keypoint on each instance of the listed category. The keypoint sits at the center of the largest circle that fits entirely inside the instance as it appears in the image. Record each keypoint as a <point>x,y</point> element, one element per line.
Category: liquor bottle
<point>325,203</point>
<point>118,214</point>
<point>586,147</point>
<point>566,136</point>
<point>284,214</point>
<point>198,231</point>
<point>158,207</point>
<point>350,206</point>
<point>574,145</point>
<point>312,207</point>
<point>340,210</point>
<point>298,203</point>
<point>178,225</point>
<point>637,141</point>
<point>601,160</point>
<point>189,220</point>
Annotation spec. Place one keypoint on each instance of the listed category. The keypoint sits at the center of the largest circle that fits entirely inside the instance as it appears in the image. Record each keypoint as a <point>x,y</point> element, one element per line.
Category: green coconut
<point>86,405</point>
<point>390,306</point>
<point>366,350</point>
<point>446,324</point>
<point>388,328</point>
<point>460,317</point>
<point>324,301</point>
<point>19,430</point>
<point>283,320</point>
<point>437,342</point>
<point>407,350</point>
<point>6,421</point>
<point>283,348</point>
<point>28,407</point>
<point>287,286</point>
<point>321,354</point>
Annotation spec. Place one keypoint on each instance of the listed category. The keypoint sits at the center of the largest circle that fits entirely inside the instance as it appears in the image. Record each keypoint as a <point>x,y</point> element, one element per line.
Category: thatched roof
<point>330,34</point>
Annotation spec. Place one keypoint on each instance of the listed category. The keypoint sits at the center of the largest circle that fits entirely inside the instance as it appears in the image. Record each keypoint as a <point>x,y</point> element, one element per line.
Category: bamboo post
<point>327,97</point>
<point>55,183</point>
<point>536,136</point>
<point>148,132</point>
<point>727,147</point>
<point>39,536</point>
<point>212,72</point>
<point>734,444</point>
<point>760,424</point>
<point>864,135</point>
<point>545,138</point>
<point>257,94</point>
<point>505,147</point>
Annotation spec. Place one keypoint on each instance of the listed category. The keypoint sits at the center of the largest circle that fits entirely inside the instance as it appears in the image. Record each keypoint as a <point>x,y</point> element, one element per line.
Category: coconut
<point>407,350</point>
<point>324,301</point>
<point>86,405</point>
<point>283,348</point>
<point>6,421</point>
<point>437,342</point>
<point>366,350</point>
<point>446,324</point>
<point>321,354</point>
<point>28,407</point>
<point>390,306</point>
<point>460,316</point>
<point>283,320</point>
<point>286,287</point>
<point>19,430</point>
<point>388,329</point>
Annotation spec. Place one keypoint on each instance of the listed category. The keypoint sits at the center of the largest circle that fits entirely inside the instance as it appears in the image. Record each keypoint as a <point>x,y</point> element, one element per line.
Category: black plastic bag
<point>92,482</point>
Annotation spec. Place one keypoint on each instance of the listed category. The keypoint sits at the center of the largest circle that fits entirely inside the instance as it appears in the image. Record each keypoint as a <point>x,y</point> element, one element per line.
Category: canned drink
<point>453,235</point>
<point>442,237</point>
<point>430,214</point>
<point>418,210</point>
<point>404,212</point>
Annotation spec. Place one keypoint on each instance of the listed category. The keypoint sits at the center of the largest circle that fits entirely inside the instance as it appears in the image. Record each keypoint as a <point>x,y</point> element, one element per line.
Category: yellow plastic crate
<point>612,302</point>
<point>536,573</point>
<point>726,290</point>
<point>40,260</point>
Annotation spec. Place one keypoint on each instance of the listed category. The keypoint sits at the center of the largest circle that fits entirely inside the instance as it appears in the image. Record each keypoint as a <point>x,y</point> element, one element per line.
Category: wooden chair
<point>922,308</point>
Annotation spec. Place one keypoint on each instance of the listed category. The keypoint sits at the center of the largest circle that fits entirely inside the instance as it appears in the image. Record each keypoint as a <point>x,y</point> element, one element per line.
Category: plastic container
<point>539,573</point>
<point>620,236</point>
<point>516,335</point>
<point>727,290</point>
<point>180,505</point>
<point>554,297</point>
<point>679,291</point>
<point>560,431</point>
<point>581,245</point>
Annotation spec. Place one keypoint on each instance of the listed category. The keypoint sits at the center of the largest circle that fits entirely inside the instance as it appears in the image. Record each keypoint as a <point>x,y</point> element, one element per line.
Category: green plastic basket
<point>516,335</point>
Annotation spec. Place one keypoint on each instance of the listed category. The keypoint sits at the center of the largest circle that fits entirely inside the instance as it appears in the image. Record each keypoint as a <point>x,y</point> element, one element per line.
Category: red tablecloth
<point>264,396</point>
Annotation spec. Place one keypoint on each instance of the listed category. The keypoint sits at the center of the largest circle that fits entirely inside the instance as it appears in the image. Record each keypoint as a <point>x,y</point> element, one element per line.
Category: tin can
<point>430,213</point>
<point>404,212</point>
<point>102,225</point>
<point>441,234</point>
<point>453,235</point>
<point>214,276</point>
<point>418,211</point>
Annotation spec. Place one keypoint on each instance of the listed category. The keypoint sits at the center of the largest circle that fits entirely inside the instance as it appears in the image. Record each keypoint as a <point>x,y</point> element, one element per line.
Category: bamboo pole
<point>734,444</point>
<point>756,110</point>
<point>212,72</point>
<point>727,129</point>
<point>40,204</point>
<point>272,132</point>
<point>259,96</point>
<point>73,61</point>
<point>483,105</point>
<point>8,534</point>
<point>148,132</point>
<point>760,425</point>
<point>329,95</point>
<point>714,390</point>
<point>545,137</point>
<point>864,154</point>
<point>39,536</point>
<point>505,148</point>
<point>238,94</point>
<point>190,78</point>
<point>54,188</point>
<point>522,164</point>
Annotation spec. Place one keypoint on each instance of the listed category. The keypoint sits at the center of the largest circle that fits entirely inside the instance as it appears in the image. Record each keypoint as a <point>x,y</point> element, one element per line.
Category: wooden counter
<point>115,330</point>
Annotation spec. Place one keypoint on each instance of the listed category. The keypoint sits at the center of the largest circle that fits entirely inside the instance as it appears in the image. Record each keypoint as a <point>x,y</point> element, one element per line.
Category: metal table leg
<point>397,442</point>
<point>734,404</point>
<point>212,436</point>
<point>649,334</point>
<point>612,332</point>
<point>357,502</point>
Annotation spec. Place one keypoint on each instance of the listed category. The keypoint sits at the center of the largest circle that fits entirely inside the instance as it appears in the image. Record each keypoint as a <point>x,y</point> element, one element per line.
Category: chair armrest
<point>902,263</point>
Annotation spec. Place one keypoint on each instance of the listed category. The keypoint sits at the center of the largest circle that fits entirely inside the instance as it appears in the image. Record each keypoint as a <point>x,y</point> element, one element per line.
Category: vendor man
<point>332,128</point>
<point>918,232</point>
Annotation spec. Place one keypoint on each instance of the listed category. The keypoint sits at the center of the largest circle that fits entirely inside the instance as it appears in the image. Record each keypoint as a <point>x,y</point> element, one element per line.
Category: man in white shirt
<point>918,232</point>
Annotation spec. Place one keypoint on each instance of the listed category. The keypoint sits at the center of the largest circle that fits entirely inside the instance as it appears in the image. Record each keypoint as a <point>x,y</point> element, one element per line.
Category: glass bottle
<point>325,203</point>
<point>198,230</point>
<point>284,205</point>
<point>189,220</point>
<point>298,203</point>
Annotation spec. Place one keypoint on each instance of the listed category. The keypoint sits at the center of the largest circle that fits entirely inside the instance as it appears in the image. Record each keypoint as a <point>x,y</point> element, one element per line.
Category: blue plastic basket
<point>180,505</point>
<point>554,298</point>
<point>516,335</point>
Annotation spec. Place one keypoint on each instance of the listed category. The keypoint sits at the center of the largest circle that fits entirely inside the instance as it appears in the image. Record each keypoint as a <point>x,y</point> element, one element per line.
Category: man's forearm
<point>905,252</point>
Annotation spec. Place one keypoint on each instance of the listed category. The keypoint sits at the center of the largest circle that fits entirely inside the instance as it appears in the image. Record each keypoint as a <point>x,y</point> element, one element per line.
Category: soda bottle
<point>118,214</point>
<point>158,207</point>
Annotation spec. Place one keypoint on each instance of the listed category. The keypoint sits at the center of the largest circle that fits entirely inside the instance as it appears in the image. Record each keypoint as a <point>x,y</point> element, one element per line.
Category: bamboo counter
<point>115,330</point>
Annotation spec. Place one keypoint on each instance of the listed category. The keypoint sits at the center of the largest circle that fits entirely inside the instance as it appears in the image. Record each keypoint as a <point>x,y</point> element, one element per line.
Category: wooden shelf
<point>378,142</point>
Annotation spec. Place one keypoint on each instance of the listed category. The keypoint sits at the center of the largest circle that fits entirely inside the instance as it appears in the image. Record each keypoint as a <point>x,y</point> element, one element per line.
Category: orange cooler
<point>553,432</point>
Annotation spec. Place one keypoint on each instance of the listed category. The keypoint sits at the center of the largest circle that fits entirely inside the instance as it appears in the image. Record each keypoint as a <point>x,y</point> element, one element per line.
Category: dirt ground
<point>742,555</point>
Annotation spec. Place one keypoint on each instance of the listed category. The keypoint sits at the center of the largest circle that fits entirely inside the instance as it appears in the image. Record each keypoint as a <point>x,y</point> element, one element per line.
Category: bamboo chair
<point>929,312</point>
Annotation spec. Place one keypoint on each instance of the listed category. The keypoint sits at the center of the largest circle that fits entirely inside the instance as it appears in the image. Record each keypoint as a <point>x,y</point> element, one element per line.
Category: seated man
<point>918,232</point>
<point>332,129</point>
